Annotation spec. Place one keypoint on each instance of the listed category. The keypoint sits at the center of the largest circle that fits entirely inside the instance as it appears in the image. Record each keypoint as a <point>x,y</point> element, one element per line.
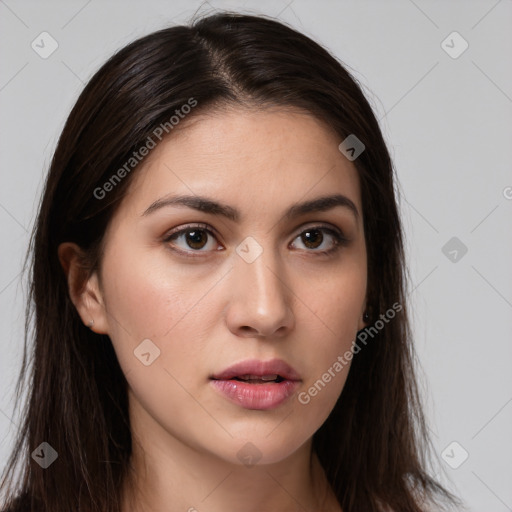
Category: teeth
<point>257,377</point>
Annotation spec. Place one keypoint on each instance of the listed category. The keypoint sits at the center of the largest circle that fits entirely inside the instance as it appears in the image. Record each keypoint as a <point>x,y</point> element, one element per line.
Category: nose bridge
<point>260,298</point>
<point>256,268</point>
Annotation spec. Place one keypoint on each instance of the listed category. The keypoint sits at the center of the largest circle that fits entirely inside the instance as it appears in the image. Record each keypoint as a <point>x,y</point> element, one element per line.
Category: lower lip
<point>256,396</point>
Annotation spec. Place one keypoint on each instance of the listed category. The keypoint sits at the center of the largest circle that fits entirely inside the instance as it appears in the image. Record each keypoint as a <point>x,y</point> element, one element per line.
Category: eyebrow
<point>207,205</point>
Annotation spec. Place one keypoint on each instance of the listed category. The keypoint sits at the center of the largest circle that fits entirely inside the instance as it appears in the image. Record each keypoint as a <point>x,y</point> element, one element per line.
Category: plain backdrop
<point>445,111</point>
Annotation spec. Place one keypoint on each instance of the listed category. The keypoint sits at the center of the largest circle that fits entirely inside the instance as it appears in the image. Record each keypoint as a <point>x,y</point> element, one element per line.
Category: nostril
<point>248,329</point>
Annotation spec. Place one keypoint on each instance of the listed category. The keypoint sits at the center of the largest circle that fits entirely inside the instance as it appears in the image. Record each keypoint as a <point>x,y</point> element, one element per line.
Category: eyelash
<point>339,240</point>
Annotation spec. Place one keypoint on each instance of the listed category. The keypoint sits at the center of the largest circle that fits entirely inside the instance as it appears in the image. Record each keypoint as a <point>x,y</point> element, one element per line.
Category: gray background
<point>449,128</point>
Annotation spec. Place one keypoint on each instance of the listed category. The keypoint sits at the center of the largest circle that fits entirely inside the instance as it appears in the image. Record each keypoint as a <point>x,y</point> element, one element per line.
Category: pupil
<point>309,239</point>
<point>196,237</point>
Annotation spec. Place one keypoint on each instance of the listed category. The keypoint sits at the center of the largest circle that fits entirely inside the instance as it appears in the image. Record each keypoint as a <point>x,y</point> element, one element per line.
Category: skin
<point>207,312</point>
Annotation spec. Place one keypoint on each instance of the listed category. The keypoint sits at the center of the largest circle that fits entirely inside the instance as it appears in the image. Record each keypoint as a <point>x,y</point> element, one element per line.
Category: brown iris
<point>312,238</point>
<point>196,239</point>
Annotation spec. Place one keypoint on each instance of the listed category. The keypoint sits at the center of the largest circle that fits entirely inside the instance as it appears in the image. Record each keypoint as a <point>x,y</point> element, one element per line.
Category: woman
<point>219,289</point>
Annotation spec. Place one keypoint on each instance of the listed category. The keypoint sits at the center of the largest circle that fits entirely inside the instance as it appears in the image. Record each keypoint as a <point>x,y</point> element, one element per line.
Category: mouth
<point>256,370</point>
<point>255,379</point>
<point>257,385</point>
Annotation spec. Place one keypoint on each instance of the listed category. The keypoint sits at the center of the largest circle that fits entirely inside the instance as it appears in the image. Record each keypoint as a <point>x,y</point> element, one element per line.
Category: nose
<point>260,303</point>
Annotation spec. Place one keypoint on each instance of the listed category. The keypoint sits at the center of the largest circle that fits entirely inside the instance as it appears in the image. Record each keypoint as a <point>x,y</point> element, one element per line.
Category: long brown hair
<point>373,444</point>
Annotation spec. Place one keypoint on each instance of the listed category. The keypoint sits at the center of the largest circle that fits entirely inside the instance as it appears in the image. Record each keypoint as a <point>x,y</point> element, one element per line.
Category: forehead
<point>257,160</point>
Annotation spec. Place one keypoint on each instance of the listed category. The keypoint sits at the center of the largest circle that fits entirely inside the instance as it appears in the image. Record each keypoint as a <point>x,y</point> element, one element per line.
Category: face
<point>246,277</point>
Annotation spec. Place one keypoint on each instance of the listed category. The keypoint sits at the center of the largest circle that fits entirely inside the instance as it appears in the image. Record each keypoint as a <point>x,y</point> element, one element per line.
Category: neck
<point>166,474</point>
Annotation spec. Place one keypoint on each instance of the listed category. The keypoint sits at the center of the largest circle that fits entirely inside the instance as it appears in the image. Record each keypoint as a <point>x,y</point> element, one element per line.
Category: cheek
<point>330,359</point>
<point>331,322</point>
<point>147,298</point>
<point>318,396</point>
<point>153,300</point>
<point>336,301</point>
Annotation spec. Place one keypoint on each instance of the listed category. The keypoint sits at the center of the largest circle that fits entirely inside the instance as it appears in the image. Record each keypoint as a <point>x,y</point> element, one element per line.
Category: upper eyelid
<point>180,231</point>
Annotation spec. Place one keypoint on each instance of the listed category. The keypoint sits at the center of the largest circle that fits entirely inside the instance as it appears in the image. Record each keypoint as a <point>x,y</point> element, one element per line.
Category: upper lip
<point>258,368</point>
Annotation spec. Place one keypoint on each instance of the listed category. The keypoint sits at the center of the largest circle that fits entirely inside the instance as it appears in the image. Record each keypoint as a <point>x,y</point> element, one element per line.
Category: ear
<point>84,289</point>
<point>363,319</point>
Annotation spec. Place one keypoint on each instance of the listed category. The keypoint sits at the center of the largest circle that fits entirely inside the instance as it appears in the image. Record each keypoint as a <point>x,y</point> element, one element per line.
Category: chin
<point>265,446</point>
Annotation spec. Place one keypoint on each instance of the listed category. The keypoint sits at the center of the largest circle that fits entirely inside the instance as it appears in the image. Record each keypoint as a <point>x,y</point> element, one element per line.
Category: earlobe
<point>363,322</point>
<point>83,287</point>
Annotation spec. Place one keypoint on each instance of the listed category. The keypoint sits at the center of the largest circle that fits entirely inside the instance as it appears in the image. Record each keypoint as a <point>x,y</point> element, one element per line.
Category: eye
<point>196,237</point>
<point>200,238</point>
<point>321,239</point>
